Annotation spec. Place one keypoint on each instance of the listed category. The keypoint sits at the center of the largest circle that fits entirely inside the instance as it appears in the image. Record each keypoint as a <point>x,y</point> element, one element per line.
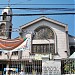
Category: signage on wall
<point>51,67</point>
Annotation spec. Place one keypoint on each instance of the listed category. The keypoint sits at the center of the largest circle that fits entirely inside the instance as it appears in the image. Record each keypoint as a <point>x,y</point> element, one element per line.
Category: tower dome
<point>5,12</point>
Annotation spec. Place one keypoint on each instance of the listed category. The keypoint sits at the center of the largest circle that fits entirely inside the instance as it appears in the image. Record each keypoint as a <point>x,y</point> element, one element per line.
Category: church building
<point>49,39</point>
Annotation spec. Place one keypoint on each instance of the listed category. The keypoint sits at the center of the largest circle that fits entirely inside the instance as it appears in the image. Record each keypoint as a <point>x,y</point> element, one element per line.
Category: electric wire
<point>42,9</point>
<point>36,4</point>
<point>41,14</point>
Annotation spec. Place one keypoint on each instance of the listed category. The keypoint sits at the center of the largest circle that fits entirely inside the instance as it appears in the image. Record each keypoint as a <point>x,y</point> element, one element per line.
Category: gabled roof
<point>71,36</point>
<point>43,18</point>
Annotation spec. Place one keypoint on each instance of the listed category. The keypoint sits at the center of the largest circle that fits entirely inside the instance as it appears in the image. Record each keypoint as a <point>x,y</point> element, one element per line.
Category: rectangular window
<point>0,52</point>
<point>38,49</point>
<point>43,48</point>
<point>15,53</point>
<point>34,49</point>
<point>52,48</point>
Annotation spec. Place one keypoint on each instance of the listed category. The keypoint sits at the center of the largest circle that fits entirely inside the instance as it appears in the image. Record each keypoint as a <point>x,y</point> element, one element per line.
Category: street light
<point>49,50</point>
<point>45,37</point>
<point>50,55</point>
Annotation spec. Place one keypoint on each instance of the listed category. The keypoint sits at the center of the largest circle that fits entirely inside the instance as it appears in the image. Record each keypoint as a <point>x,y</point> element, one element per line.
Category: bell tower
<point>6,23</point>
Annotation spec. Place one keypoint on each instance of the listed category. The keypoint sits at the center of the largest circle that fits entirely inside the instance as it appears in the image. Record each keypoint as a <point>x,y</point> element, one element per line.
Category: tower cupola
<point>7,12</point>
<point>6,23</point>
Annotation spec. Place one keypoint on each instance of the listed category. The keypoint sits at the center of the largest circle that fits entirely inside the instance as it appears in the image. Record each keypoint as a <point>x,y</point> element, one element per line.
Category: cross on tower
<point>8,2</point>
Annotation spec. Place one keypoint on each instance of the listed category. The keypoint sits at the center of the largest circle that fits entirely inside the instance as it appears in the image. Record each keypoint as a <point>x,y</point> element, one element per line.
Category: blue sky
<point>21,20</point>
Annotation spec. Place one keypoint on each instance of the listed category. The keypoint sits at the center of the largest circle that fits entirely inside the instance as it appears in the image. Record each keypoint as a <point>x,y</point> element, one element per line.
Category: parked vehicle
<point>12,71</point>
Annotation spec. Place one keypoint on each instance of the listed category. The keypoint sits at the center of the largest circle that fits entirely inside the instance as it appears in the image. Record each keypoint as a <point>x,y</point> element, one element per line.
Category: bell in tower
<point>6,23</point>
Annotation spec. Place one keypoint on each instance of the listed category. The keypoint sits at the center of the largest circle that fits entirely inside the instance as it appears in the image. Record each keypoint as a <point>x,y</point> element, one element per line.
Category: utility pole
<point>9,55</point>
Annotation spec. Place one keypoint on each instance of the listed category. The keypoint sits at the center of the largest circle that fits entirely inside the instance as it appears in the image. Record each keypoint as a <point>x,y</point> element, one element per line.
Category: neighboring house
<point>71,44</point>
<point>49,39</point>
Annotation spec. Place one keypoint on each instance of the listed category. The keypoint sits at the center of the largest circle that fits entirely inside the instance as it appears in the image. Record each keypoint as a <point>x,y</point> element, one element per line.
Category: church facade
<point>47,32</point>
<point>49,40</point>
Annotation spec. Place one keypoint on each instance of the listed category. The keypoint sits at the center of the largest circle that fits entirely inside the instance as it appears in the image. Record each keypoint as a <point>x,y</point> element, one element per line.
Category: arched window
<point>4,16</point>
<point>43,32</point>
<point>2,29</point>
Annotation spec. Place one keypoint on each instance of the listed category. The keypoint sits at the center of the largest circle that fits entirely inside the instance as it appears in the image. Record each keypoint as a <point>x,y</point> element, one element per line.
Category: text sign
<point>51,67</point>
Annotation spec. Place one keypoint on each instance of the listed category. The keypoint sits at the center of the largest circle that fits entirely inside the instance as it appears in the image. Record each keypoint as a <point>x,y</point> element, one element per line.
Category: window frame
<point>43,32</point>
<point>15,53</point>
<point>4,15</point>
<point>0,53</point>
<point>42,50</point>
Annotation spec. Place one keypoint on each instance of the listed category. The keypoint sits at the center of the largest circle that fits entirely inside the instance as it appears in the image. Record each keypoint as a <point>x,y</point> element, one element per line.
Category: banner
<point>24,46</point>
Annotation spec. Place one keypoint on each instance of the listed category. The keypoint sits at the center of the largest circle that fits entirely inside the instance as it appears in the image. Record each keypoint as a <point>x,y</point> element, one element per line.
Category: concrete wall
<point>60,34</point>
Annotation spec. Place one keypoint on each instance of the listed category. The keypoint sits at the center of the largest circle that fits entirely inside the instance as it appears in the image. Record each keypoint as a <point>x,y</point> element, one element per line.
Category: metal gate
<point>33,67</point>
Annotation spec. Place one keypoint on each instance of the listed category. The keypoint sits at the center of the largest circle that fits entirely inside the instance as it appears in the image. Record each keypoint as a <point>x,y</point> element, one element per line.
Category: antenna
<point>8,2</point>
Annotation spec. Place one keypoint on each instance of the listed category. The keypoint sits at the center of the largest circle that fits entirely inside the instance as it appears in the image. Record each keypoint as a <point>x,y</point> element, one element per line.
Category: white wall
<point>60,33</point>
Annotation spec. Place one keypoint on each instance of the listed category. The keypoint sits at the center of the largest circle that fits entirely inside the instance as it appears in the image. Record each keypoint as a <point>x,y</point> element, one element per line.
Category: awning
<point>9,46</point>
<point>72,56</point>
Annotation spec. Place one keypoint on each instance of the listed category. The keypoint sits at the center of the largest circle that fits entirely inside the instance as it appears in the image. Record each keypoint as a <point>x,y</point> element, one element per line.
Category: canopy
<point>24,45</point>
<point>10,44</point>
<point>72,56</point>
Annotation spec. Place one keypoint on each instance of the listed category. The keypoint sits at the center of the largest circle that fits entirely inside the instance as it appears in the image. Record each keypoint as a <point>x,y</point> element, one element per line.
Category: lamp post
<point>49,51</point>
<point>45,36</point>
<point>50,55</point>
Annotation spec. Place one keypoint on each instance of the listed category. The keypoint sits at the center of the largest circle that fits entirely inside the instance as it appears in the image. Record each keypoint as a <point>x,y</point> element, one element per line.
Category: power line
<point>12,30</point>
<point>40,14</point>
<point>60,9</point>
<point>37,8</point>
<point>37,4</point>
